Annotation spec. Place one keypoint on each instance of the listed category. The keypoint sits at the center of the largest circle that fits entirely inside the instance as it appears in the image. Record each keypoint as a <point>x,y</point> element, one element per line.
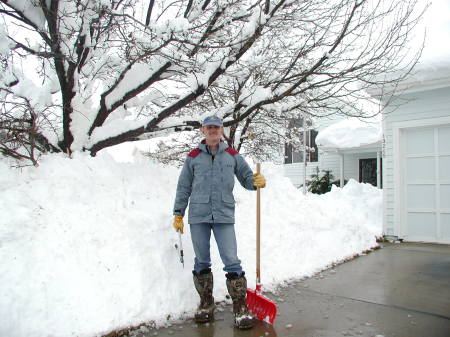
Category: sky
<point>436,22</point>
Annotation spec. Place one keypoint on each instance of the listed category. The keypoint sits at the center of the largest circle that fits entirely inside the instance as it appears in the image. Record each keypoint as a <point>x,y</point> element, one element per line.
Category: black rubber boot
<point>237,287</point>
<point>203,282</point>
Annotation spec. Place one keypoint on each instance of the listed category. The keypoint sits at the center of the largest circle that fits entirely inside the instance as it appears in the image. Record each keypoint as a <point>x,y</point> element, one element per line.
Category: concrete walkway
<point>401,290</point>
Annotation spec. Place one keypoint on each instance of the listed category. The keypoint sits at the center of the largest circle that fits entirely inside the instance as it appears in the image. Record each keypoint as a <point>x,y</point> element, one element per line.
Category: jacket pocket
<point>228,198</point>
<point>199,207</point>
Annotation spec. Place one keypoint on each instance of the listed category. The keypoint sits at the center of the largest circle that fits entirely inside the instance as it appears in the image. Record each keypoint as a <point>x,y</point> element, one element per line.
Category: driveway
<point>401,290</point>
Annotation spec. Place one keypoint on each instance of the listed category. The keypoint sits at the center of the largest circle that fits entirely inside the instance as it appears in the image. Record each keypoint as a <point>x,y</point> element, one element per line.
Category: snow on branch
<point>117,71</point>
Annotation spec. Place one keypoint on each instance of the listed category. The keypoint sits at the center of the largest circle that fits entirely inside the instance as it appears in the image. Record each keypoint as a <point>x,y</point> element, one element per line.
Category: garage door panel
<point>445,197</point>
<point>420,169</point>
<point>421,225</point>
<point>445,226</point>
<point>420,141</point>
<point>444,139</point>
<point>444,168</point>
<point>421,197</point>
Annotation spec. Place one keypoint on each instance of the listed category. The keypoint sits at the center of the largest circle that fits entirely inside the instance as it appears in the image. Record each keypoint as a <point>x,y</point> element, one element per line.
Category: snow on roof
<point>427,74</point>
<point>433,69</point>
<point>350,133</point>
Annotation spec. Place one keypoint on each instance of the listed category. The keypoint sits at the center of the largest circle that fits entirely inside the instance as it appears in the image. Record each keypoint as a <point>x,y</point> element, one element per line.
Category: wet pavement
<point>401,290</point>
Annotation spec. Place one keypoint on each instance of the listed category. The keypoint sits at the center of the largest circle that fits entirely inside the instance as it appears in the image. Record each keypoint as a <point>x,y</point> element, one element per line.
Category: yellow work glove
<point>178,223</point>
<point>259,180</point>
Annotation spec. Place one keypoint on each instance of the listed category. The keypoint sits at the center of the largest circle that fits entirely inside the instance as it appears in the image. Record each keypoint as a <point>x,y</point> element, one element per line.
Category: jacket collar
<point>222,146</point>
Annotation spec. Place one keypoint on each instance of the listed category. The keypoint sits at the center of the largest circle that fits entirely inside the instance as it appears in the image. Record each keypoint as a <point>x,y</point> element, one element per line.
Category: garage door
<point>426,193</point>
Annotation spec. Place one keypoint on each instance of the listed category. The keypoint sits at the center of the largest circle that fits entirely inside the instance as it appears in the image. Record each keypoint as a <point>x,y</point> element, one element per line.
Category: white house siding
<point>328,161</point>
<point>332,162</point>
<point>431,107</point>
<point>351,164</point>
<point>295,172</point>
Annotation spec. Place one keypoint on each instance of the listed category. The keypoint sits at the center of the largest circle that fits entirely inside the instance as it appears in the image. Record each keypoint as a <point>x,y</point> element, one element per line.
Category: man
<point>207,181</point>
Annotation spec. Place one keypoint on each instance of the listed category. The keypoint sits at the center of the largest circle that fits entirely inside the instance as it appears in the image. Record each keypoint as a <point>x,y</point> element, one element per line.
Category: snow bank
<point>87,246</point>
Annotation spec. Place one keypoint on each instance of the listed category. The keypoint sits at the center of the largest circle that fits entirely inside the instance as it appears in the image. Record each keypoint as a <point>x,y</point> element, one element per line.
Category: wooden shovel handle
<point>258,229</point>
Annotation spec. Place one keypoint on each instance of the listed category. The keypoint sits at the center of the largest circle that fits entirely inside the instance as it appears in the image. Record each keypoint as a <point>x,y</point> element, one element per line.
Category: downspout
<point>304,158</point>
<point>378,170</point>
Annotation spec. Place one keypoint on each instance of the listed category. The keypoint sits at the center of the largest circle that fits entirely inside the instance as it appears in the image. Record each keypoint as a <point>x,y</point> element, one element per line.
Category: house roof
<point>427,75</point>
<point>351,134</point>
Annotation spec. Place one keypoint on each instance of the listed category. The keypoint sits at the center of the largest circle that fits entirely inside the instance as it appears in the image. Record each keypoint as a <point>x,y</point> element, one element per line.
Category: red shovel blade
<point>260,306</point>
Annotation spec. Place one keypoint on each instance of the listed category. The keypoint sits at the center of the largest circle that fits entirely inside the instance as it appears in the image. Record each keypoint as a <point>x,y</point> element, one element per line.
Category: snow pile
<point>349,133</point>
<point>87,246</point>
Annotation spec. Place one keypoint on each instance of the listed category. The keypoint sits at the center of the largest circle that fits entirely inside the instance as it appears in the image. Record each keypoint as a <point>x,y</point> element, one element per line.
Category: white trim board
<point>420,123</point>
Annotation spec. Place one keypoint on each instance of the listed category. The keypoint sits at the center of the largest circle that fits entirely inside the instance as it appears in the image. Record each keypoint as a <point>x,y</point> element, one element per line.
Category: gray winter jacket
<point>208,182</point>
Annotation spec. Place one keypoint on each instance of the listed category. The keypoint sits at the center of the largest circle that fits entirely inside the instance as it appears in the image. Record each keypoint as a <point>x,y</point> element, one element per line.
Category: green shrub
<point>320,184</point>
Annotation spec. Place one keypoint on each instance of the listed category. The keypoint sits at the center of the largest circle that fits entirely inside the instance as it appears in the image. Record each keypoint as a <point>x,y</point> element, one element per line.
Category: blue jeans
<point>226,242</point>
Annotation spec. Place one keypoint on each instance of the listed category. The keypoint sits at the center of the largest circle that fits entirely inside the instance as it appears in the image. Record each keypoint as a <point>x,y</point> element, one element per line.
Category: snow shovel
<point>263,308</point>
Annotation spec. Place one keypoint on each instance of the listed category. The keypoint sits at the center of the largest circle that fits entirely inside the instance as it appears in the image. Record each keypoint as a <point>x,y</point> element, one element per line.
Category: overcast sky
<point>437,22</point>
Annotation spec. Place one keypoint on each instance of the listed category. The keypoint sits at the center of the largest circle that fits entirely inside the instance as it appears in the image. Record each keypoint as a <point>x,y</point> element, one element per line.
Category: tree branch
<point>31,51</point>
<point>153,124</point>
<point>149,12</point>
<point>20,16</point>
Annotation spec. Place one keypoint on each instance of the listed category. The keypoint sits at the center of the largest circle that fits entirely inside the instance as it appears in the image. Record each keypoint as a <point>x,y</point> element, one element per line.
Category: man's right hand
<point>178,223</point>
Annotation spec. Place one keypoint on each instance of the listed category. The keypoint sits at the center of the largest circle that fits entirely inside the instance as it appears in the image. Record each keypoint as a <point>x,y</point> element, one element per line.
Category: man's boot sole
<point>204,319</point>
<point>243,325</point>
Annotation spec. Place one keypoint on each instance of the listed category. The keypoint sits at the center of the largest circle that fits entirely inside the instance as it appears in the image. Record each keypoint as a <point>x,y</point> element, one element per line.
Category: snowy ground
<point>87,246</point>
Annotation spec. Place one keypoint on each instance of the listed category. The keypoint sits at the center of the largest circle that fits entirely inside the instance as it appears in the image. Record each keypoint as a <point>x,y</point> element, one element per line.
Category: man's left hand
<point>259,180</point>
<point>178,223</point>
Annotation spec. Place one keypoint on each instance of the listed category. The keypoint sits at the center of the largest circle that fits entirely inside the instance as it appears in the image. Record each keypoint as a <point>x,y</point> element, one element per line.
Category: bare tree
<point>321,65</point>
<point>172,150</point>
<point>122,70</point>
<point>20,135</point>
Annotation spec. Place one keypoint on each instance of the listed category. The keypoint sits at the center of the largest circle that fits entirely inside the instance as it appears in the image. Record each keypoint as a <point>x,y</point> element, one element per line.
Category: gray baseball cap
<point>212,120</point>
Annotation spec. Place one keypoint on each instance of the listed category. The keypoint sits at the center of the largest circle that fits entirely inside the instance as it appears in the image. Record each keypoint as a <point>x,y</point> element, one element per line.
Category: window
<point>368,171</point>
<point>292,155</point>
<point>313,154</point>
